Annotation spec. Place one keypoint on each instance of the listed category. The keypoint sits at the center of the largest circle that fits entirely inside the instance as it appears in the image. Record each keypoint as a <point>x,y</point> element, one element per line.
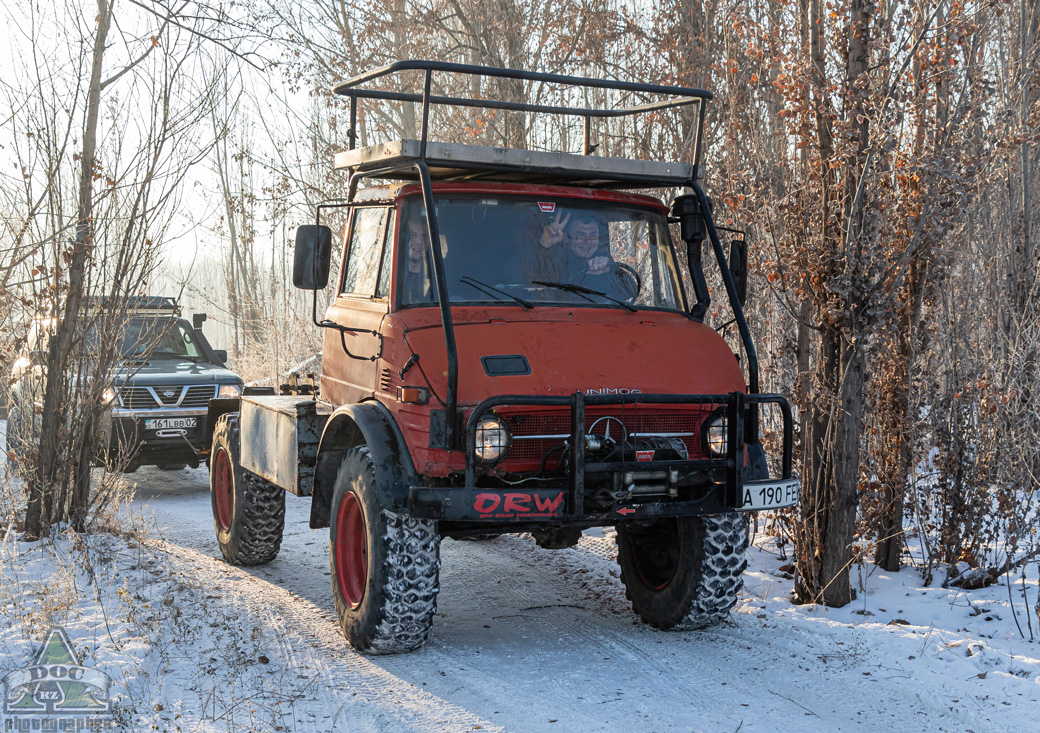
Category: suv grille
<point>143,398</point>
<point>199,396</point>
<point>685,422</point>
<point>138,398</point>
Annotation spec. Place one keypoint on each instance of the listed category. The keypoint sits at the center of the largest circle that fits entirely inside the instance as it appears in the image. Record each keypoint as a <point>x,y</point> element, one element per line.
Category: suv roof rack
<point>454,161</point>
<point>142,305</point>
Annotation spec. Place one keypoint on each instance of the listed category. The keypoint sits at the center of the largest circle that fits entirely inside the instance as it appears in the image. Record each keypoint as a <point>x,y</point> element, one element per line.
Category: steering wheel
<point>630,274</point>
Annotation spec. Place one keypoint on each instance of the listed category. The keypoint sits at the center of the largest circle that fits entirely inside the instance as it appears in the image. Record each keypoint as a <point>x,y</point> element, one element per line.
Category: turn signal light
<point>417,395</point>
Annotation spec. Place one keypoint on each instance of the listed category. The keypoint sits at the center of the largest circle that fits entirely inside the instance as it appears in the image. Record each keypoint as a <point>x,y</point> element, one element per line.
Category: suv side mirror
<point>738,268</point>
<point>222,355</point>
<point>313,257</point>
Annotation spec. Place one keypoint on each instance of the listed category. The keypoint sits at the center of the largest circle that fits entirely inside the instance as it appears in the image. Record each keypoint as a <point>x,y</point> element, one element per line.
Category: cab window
<point>365,251</point>
<point>383,286</point>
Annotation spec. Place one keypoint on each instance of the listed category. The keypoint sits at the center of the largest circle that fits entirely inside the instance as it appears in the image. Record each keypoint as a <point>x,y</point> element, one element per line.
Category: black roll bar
<point>738,311</point>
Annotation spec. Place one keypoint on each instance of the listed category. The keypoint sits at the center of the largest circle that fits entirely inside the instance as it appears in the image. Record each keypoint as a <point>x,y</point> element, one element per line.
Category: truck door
<point>362,302</point>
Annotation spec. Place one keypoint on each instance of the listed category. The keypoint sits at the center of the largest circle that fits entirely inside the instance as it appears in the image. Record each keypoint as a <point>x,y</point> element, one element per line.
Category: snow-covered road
<point>532,639</point>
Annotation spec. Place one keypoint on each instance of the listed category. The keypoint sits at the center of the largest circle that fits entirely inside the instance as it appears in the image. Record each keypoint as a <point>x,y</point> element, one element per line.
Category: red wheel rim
<point>223,488</point>
<point>351,551</point>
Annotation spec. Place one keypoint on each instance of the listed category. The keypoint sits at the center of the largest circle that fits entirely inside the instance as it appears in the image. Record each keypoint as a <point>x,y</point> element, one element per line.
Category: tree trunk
<point>47,490</point>
<point>836,413</point>
<point>843,495</point>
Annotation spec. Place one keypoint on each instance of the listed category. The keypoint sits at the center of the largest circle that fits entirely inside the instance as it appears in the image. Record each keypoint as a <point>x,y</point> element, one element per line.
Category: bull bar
<point>726,474</point>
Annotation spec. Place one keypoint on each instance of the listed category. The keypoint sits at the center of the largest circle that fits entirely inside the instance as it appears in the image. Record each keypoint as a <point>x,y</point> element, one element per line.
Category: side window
<point>365,251</point>
<point>383,286</point>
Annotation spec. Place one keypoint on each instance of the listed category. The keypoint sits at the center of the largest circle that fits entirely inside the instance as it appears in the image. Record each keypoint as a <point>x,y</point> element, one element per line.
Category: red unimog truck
<point>510,349</point>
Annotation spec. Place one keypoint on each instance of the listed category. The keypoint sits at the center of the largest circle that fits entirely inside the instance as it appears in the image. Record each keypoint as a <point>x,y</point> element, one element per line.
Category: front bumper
<point>134,437</point>
<point>604,493</point>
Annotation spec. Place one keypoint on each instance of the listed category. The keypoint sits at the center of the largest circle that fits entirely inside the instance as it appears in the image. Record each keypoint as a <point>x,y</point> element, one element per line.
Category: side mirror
<point>197,319</point>
<point>313,257</point>
<point>222,355</point>
<point>738,268</point>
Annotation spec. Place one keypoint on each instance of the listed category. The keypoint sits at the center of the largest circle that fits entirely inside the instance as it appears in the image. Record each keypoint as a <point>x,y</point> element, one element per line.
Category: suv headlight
<point>716,435</point>
<point>493,439</point>
<point>109,396</point>
<point>229,390</point>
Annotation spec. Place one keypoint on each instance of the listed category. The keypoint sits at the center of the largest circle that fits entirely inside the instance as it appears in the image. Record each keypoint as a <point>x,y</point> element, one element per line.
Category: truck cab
<point>509,347</point>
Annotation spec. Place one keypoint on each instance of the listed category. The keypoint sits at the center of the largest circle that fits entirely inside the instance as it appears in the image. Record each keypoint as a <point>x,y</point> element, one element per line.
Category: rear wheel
<point>687,571</point>
<point>384,565</point>
<point>248,511</point>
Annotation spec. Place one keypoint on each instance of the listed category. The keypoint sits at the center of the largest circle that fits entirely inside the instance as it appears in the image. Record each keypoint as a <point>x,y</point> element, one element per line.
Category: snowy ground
<point>524,640</point>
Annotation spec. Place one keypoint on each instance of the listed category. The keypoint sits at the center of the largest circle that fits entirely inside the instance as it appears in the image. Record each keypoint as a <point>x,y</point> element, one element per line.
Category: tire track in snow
<point>352,685</point>
<point>540,635</point>
<point>299,618</point>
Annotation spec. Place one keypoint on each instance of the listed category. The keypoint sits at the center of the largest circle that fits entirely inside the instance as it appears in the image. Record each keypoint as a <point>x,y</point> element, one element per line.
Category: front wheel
<point>687,571</point>
<point>248,511</point>
<point>384,565</point>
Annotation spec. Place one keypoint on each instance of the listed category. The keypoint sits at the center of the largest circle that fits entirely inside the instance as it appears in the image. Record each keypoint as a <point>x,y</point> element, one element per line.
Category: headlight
<point>716,434</point>
<point>109,395</point>
<point>229,390</point>
<point>492,439</point>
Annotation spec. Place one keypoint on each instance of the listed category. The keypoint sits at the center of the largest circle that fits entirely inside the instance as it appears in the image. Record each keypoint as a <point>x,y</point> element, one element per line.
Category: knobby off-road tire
<point>684,572</point>
<point>384,565</point>
<point>248,511</point>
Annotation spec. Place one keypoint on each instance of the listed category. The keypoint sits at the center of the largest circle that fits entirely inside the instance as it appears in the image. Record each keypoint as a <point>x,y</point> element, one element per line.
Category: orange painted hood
<point>581,351</point>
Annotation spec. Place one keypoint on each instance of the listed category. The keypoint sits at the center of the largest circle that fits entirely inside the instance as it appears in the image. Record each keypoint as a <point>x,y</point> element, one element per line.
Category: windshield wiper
<point>582,290</point>
<point>474,283</point>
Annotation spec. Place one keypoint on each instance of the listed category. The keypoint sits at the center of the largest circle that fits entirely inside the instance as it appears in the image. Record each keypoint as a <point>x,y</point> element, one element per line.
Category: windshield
<point>535,250</point>
<point>159,338</point>
<point>154,338</point>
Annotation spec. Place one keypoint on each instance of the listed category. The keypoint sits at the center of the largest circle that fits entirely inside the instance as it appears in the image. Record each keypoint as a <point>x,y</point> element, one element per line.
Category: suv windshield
<point>158,338</point>
<point>154,338</point>
<point>535,250</point>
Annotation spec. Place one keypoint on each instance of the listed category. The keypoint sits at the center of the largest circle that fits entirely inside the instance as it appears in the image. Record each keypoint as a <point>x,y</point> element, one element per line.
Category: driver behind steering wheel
<point>587,261</point>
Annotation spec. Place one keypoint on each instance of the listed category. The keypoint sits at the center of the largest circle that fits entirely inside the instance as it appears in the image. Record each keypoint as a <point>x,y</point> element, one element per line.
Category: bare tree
<point>128,129</point>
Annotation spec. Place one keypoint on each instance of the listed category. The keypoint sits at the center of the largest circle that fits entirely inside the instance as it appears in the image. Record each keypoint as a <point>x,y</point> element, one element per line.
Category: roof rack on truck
<point>454,161</point>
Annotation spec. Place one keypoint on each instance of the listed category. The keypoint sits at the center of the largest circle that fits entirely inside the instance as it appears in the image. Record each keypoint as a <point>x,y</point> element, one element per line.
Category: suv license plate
<point>770,494</point>
<point>162,423</point>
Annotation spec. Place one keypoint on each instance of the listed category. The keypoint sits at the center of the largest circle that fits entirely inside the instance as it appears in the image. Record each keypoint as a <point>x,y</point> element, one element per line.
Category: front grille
<point>143,398</point>
<point>199,396</point>
<point>137,398</point>
<point>646,419</point>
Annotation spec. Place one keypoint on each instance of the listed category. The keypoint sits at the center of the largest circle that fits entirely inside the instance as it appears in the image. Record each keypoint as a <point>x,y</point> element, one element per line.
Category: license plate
<point>163,423</point>
<point>770,494</point>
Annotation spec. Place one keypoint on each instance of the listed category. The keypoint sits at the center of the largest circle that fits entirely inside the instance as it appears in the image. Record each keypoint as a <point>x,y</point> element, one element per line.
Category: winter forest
<point>881,158</point>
